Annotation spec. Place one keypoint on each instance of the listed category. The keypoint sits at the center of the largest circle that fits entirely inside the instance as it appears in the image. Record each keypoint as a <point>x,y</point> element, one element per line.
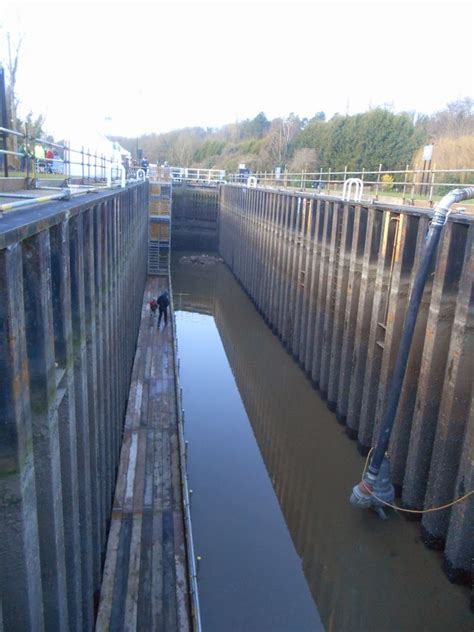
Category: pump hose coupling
<point>373,492</point>
<point>442,209</point>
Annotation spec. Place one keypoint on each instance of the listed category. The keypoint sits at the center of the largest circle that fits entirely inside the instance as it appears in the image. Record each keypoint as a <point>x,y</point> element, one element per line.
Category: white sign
<point>428,152</point>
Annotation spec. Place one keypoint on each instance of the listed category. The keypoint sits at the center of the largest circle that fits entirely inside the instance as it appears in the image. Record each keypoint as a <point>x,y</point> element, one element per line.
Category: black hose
<point>429,249</point>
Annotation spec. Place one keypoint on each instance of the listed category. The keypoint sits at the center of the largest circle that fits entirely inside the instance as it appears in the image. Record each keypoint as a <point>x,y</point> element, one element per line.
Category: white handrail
<point>252,181</point>
<point>347,189</point>
<point>123,174</point>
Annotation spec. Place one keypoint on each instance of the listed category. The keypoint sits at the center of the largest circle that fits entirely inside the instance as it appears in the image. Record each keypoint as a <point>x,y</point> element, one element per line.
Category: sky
<point>135,68</point>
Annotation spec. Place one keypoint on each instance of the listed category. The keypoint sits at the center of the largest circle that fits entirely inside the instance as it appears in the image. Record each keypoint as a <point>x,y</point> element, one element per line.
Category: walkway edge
<point>190,553</point>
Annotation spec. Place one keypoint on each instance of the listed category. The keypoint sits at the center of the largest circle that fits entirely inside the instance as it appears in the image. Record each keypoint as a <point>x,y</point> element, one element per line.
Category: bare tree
<point>183,150</point>
<point>12,67</point>
<point>278,141</point>
<point>304,159</point>
<point>456,120</point>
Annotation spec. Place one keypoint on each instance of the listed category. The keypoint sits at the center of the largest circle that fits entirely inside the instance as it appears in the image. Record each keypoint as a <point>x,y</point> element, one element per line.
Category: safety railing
<point>38,156</point>
<point>198,175</point>
<point>186,175</point>
<point>407,184</point>
<point>81,170</point>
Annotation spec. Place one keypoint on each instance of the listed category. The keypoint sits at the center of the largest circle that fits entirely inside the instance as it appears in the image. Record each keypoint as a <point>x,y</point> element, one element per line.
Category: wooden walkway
<point>145,584</point>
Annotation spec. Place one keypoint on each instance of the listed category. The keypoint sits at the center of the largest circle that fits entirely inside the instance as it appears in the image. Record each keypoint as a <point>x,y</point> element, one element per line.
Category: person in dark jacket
<point>163,303</point>
<point>145,165</point>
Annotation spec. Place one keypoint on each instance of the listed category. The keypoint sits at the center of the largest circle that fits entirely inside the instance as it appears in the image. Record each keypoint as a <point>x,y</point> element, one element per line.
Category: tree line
<point>367,140</point>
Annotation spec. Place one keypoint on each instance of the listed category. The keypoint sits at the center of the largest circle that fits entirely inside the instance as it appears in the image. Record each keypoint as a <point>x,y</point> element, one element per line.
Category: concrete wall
<point>332,280</point>
<point>72,276</point>
<point>194,218</point>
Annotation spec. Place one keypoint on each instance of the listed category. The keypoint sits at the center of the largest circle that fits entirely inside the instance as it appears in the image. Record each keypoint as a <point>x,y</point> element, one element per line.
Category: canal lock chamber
<point>271,273</point>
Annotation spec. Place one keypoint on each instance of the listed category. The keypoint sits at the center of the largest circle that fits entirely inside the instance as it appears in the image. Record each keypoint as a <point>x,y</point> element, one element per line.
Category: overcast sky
<point>134,68</point>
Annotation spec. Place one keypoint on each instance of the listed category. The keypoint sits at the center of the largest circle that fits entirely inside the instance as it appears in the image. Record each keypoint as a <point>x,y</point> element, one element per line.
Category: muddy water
<point>271,472</point>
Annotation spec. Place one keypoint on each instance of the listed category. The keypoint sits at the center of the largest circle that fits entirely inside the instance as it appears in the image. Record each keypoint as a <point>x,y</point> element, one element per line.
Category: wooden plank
<point>146,549</point>
<point>139,484</point>
<point>169,573</point>
<point>144,603</point>
<point>131,599</point>
<point>122,472</point>
<point>156,590</point>
<point>182,604</point>
<point>108,579</point>
<point>130,476</point>
<point>149,472</point>
<point>122,554</point>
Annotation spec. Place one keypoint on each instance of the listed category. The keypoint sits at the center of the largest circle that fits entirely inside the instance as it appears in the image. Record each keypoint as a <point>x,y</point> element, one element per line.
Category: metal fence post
<point>413,186</point>
<point>378,182</point>
<point>433,175</point>
<point>405,184</point>
<point>27,152</point>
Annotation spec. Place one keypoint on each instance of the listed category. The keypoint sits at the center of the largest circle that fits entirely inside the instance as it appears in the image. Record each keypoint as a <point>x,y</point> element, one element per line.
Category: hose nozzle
<point>373,492</point>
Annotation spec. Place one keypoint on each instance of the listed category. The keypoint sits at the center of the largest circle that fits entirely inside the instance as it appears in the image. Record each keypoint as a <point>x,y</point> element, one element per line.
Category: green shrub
<point>387,182</point>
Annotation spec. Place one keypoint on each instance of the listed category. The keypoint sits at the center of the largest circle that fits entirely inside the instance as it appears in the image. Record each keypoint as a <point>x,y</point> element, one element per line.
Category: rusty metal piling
<point>72,275</point>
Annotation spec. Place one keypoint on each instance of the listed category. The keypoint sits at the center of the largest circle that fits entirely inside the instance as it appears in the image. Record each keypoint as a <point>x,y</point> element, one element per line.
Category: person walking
<point>49,155</point>
<point>22,151</point>
<point>153,305</point>
<point>39,156</point>
<point>163,303</point>
<point>145,165</point>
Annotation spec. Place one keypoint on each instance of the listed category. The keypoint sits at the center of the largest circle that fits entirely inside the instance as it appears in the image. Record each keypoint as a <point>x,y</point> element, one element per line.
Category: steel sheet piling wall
<point>194,217</point>
<point>71,285</point>
<point>44,407</point>
<point>332,280</point>
<point>19,539</point>
<point>61,275</point>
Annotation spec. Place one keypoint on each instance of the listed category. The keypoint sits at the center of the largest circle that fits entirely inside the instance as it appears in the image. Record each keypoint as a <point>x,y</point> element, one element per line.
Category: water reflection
<point>363,573</point>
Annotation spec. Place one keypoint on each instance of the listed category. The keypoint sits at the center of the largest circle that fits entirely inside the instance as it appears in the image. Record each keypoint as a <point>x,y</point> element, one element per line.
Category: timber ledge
<point>149,567</point>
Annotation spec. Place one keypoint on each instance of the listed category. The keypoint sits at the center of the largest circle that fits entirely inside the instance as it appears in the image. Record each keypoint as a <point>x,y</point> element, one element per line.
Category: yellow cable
<point>415,511</point>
